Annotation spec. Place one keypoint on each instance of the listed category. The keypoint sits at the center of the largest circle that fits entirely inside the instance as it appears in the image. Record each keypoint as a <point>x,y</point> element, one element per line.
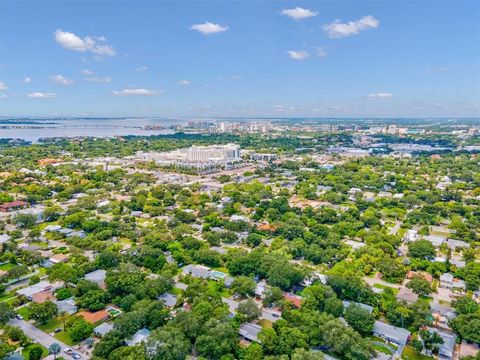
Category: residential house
<point>424,275</point>
<point>407,295</point>
<point>59,258</point>
<point>457,244</point>
<point>94,317</point>
<point>355,244</point>
<point>39,287</point>
<point>260,289</point>
<point>14,205</point>
<point>170,300</point>
<point>436,240</point>
<point>68,306</point>
<point>447,281</point>
<point>249,331</point>
<point>98,277</point>
<point>293,299</point>
<point>4,238</point>
<point>445,352</point>
<point>391,333</point>
<point>346,304</point>
<point>102,329</point>
<point>411,235</point>
<point>139,337</point>
<point>198,271</point>
<point>42,296</point>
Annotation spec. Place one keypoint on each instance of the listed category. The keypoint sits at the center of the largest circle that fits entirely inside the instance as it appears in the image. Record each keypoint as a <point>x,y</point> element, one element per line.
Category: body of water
<point>34,129</point>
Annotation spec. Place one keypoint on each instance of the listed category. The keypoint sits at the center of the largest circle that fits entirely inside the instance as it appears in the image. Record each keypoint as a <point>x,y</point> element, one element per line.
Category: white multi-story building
<point>204,158</point>
<point>213,153</point>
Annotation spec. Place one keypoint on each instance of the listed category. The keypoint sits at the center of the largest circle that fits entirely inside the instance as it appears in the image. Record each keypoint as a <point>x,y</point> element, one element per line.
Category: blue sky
<point>240,58</point>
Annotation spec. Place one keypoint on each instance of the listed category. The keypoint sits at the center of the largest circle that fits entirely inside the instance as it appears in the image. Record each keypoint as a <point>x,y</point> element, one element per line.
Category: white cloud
<point>184,83</point>
<point>141,68</point>
<point>27,80</point>
<point>380,95</point>
<point>298,54</point>
<point>337,29</point>
<point>134,92</point>
<point>87,72</point>
<point>209,28</point>
<point>60,79</point>
<point>42,95</point>
<point>73,42</point>
<point>96,79</point>
<point>299,13</point>
<point>3,97</point>
<point>3,86</point>
<point>237,77</point>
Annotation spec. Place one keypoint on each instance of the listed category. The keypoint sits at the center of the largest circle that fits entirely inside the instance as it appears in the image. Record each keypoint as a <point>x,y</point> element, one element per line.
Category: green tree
<point>54,349</point>
<point>80,329</point>
<point>63,272</point>
<point>25,221</point>
<point>218,339</point>
<point>243,285</point>
<point>360,319</point>
<point>35,353</point>
<point>421,249</point>
<point>167,343</point>
<point>419,285</point>
<point>6,312</point>
<point>302,354</point>
<point>44,312</point>
<point>93,300</point>
<point>249,309</point>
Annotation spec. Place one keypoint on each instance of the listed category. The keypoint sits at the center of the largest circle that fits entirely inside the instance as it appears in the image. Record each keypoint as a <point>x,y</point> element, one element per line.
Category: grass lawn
<point>382,349</point>
<point>264,323</point>
<point>376,338</point>
<point>380,286</point>
<point>50,326</point>
<point>26,351</point>
<point>175,291</point>
<point>222,269</point>
<point>410,354</point>
<point>6,267</point>
<point>25,312</point>
<point>64,337</point>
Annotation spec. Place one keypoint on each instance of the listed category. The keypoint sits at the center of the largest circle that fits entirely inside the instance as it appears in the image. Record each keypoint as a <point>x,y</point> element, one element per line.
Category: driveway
<point>41,337</point>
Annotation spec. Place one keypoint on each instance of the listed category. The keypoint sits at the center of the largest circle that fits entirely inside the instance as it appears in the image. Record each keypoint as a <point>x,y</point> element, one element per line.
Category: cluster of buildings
<point>228,126</point>
<point>202,158</point>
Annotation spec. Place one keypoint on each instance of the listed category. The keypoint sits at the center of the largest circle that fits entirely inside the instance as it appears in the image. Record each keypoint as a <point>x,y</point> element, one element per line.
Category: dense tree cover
<point>178,225</point>
<point>360,319</point>
<point>419,285</point>
<point>42,312</point>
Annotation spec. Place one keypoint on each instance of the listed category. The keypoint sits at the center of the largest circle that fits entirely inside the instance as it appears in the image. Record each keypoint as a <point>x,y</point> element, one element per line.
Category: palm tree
<point>54,349</point>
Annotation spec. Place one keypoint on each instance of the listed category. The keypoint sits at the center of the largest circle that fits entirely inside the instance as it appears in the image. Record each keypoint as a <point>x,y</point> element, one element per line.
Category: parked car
<point>76,356</point>
<point>68,351</point>
<point>57,330</point>
<point>19,317</point>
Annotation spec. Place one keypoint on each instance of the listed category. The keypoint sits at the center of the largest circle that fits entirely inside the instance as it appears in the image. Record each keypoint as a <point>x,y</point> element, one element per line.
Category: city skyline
<point>245,59</point>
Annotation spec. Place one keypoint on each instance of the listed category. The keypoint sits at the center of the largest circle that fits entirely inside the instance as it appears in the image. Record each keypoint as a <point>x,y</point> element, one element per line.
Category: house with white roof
<point>447,281</point>
<point>436,240</point>
<point>391,333</point>
<point>139,337</point>
<point>249,331</point>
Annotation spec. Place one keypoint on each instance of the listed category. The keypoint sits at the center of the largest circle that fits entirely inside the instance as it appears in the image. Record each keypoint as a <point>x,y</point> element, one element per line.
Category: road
<point>40,337</point>
<point>395,229</point>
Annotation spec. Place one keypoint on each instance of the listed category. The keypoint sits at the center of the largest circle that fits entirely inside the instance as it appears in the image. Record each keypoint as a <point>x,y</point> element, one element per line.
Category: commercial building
<point>204,159</point>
